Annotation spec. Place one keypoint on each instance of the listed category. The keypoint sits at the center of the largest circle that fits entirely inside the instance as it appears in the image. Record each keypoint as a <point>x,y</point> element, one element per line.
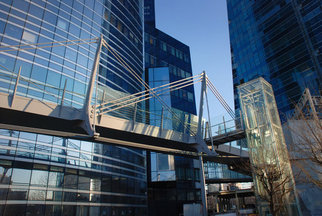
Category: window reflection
<point>39,178</point>
<point>17,194</point>
<point>37,195</point>
<point>70,179</point>
<point>5,172</point>
<point>20,176</point>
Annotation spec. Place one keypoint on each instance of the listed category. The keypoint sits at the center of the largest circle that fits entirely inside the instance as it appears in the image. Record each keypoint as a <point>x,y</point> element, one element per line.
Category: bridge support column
<point>16,86</point>
<point>88,112</point>
<point>237,202</point>
<point>202,93</point>
<point>203,187</point>
<point>217,203</point>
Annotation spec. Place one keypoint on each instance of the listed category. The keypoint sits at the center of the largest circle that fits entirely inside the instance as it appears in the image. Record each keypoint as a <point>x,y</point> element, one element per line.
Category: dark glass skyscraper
<point>173,180</point>
<point>49,175</point>
<point>279,40</point>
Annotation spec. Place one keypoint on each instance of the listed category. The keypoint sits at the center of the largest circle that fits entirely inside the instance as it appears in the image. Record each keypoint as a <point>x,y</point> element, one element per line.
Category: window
<point>173,51</point>
<point>106,15</point>
<point>39,178</point>
<point>20,176</point>
<point>62,24</point>
<point>152,41</point>
<point>165,162</point>
<point>119,26</point>
<point>163,46</point>
<point>190,96</point>
<point>29,37</point>
<point>13,31</point>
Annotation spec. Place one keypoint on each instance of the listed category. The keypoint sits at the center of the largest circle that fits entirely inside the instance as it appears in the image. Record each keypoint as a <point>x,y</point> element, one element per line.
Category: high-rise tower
<point>173,179</point>
<point>49,175</point>
<point>279,40</point>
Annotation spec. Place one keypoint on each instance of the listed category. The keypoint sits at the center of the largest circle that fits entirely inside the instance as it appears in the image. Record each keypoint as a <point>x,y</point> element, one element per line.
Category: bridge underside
<point>230,180</point>
<point>22,121</point>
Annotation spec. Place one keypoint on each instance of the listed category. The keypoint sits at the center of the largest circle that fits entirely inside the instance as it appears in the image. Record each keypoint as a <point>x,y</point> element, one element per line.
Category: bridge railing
<point>14,83</point>
<point>126,106</point>
<point>225,125</point>
<point>17,84</point>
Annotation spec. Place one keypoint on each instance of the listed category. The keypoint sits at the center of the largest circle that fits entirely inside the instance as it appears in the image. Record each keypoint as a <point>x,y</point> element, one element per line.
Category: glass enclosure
<point>267,150</point>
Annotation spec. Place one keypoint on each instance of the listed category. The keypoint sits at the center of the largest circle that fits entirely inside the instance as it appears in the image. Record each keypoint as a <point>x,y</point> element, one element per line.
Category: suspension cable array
<point>126,66</point>
<point>145,95</point>
<point>222,101</point>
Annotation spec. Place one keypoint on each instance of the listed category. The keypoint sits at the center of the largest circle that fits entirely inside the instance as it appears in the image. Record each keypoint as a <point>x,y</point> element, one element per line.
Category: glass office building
<point>172,180</point>
<point>48,175</point>
<point>279,41</point>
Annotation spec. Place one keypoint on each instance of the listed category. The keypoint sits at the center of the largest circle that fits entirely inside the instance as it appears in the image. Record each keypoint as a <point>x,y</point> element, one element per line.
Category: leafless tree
<point>273,179</point>
<point>304,139</point>
<point>276,186</point>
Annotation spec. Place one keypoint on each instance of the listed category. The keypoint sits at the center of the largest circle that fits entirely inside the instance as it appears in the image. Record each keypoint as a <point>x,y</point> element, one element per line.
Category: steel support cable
<point>101,113</point>
<point>42,47</point>
<point>162,93</point>
<point>231,113</point>
<point>146,91</point>
<point>140,80</point>
<point>113,109</point>
<point>219,95</point>
<point>143,94</point>
<point>119,58</point>
<point>137,100</point>
<point>215,89</point>
<point>181,85</point>
<point>125,105</point>
<point>221,99</point>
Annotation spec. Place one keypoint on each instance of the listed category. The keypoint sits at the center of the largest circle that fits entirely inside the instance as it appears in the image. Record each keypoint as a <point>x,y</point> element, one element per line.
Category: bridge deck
<point>227,137</point>
<point>32,115</point>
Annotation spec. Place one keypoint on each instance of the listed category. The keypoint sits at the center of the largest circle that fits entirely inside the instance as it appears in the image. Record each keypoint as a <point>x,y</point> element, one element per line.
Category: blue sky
<point>203,26</point>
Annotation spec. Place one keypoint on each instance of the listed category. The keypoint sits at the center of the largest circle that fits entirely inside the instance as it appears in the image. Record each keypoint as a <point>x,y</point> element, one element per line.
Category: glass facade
<point>268,155</point>
<point>173,180</point>
<point>280,41</point>
<point>45,175</point>
<point>216,171</point>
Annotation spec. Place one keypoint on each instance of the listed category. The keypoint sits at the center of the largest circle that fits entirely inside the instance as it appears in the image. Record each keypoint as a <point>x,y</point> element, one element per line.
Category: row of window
<point>117,23</point>
<point>87,155</point>
<point>221,171</point>
<point>179,72</point>
<point>49,178</point>
<point>175,195</point>
<point>61,25</point>
<point>183,94</point>
<point>133,7</point>
<point>151,61</point>
<point>67,210</point>
<point>166,47</point>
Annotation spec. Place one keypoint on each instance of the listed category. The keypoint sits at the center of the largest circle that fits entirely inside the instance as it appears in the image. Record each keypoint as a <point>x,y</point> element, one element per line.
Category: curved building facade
<point>48,175</point>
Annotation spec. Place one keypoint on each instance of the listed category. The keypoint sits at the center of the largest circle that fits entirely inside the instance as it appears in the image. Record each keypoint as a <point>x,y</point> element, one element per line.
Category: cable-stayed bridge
<point>117,118</point>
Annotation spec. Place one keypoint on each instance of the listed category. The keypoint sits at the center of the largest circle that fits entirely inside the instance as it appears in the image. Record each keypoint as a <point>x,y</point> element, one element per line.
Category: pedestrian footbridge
<point>112,117</point>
